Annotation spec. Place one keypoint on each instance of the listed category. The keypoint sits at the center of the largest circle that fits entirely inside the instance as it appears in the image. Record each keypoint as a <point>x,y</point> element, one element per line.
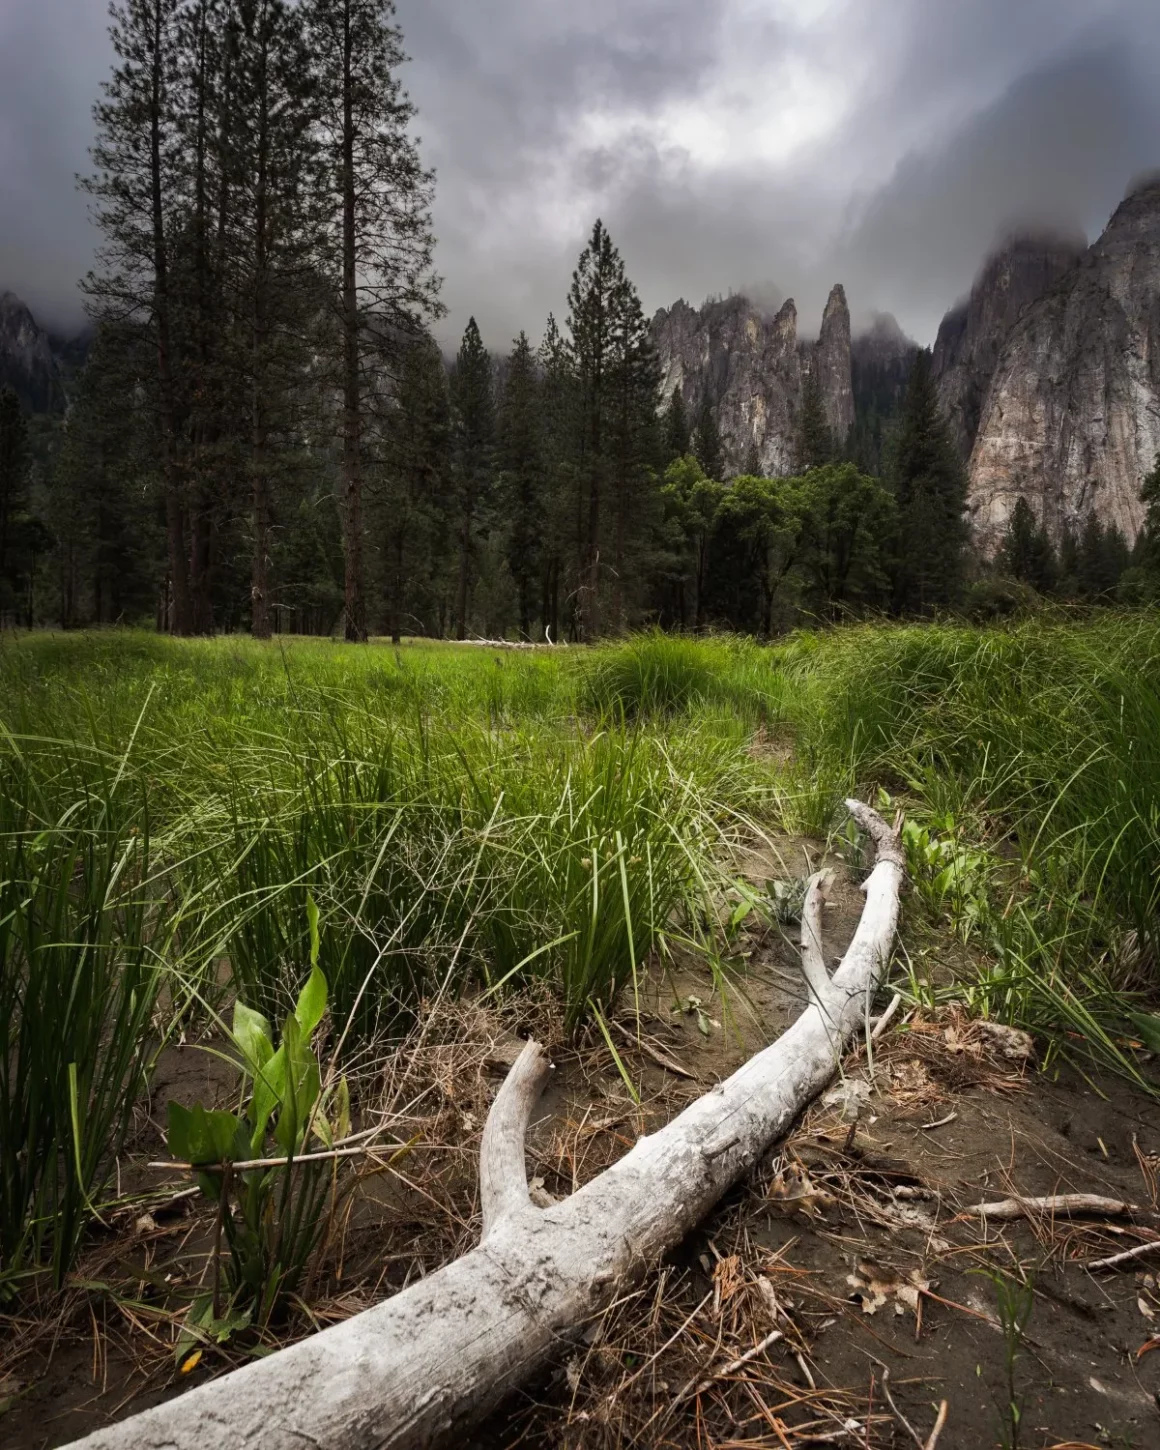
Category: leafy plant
<point>1014,1301</point>
<point>272,1210</point>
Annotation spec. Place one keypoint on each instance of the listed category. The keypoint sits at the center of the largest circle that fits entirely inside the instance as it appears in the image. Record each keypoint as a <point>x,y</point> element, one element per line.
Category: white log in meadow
<point>425,1366</point>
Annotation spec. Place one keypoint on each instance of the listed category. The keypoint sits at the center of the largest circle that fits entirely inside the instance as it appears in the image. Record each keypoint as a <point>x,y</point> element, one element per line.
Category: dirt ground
<point>840,1296</point>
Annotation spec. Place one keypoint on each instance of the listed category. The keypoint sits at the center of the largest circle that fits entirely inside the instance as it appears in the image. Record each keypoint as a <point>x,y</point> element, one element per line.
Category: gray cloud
<point>775,145</point>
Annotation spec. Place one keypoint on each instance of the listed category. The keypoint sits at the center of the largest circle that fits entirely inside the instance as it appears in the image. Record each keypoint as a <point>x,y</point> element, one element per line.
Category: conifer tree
<point>1147,557</point>
<point>137,154</point>
<point>678,435</point>
<point>376,197</point>
<point>814,445</point>
<point>473,414</point>
<point>1027,553</point>
<point>522,475</point>
<point>752,465</point>
<point>707,443</point>
<point>616,386</point>
<point>13,485</point>
<point>560,421</point>
<point>930,489</point>
<point>417,479</point>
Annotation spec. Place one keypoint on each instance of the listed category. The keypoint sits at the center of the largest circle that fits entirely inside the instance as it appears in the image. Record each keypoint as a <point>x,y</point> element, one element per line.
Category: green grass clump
<point>1041,743</point>
<point>664,674</point>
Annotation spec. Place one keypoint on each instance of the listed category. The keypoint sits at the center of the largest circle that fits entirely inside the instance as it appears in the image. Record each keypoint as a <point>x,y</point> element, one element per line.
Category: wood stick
<point>1056,1203</point>
<point>813,956</point>
<point>1126,1256</point>
<point>660,1058</point>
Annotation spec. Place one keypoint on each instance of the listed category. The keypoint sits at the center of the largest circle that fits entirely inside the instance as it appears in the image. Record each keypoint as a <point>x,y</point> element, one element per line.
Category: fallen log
<point>424,1366</point>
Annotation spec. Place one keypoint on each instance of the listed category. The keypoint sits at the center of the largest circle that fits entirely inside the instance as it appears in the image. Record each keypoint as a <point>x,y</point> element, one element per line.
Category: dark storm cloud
<point>53,55</point>
<point>775,145</point>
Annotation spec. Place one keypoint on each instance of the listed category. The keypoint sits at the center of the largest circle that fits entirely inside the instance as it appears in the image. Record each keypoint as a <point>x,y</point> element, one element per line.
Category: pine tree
<point>417,480</point>
<point>752,465</point>
<point>678,437</point>
<point>707,443</point>
<point>522,475</point>
<point>1027,553</point>
<point>272,245</point>
<point>814,445</point>
<point>473,413</point>
<point>137,160</point>
<point>560,421</point>
<point>377,197</point>
<point>930,490</point>
<point>616,385</point>
<point>1147,558</point>
<point>13,489</point>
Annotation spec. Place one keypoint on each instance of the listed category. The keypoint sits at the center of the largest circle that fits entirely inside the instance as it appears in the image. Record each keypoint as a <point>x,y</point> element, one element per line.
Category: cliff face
<point>752,366</point>
<point>972,335</point>
<point>27,361</point>
<point>881,359</point>
<point>1071,420</point>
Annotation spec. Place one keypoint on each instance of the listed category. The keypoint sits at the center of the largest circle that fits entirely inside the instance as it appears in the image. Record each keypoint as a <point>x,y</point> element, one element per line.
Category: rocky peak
<point>752,367</point>
<point>831,359</point>
<point>973,333</point>
<point>27,362</point>
<point>1071,421</point>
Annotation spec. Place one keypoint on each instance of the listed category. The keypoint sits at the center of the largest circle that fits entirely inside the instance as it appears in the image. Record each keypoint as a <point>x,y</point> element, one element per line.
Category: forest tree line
<point>267,437</point>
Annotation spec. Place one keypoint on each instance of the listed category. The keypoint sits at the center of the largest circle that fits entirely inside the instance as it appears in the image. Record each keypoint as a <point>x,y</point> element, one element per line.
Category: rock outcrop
<point>752,365</point>
<point>972,334</point>
<point>28,363</point>
<point>1071,420</point>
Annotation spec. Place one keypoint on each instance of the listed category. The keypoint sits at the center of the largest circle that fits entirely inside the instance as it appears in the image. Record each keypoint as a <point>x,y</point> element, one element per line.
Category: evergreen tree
<point>272,243</point>
<point>1027,553</point>
<point>417,479</point>
<point>814,445</point>
<point>522,476</point>
<point>1147,553</point>
<point>138,166</point>
<point>559,424</point>
<point>707,444</point>
<point>13,491</point>
<point>678,436</point>
<point>752,467</point>
<point>930,489</point>
<point>616,386</point>
<point>376,197</point>
<point>473,413</point>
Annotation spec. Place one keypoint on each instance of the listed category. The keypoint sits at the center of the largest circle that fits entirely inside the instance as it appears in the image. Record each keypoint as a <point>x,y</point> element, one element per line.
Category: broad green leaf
<point>269,1089</point>
<point>252,1035</point>
<point>311,1003</point>
<point>312,920</point>
<point>1147,1025</point>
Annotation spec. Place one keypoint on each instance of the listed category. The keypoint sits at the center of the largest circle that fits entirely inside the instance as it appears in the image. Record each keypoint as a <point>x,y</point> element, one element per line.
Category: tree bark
<point>426,1365</point>
<point>166,405</point>
<point>352,528</point>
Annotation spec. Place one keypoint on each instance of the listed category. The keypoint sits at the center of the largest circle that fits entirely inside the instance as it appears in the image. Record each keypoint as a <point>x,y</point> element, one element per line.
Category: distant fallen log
<point>423,1367</point>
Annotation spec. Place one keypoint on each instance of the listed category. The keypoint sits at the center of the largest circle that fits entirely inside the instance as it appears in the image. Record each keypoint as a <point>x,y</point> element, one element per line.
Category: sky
<point>767,146</point>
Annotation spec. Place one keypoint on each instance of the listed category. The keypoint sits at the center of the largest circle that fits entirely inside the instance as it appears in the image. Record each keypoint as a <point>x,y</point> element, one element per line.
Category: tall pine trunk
<point>259,462</point>
<point>352,526</point>
<point>182,621</point>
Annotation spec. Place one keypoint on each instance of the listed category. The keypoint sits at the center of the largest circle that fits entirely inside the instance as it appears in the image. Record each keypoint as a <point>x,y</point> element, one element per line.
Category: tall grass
<point>80,927</point>
<point>1042,743</point>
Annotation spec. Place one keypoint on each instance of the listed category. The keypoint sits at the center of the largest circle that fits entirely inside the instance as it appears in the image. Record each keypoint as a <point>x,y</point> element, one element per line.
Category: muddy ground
<point>849,1254</point>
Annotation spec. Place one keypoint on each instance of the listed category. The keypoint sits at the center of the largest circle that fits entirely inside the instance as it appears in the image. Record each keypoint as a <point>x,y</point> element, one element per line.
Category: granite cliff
<point>972,334</point>
<point>28,362</point>
<point>753,367</point>
<point>1071,419</point>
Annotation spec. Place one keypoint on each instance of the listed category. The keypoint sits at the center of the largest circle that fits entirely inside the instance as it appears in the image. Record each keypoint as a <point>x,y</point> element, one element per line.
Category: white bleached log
<point>424,1366</point>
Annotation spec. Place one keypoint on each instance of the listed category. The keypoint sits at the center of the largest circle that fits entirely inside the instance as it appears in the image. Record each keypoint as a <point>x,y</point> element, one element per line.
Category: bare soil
<point>849,1253</point>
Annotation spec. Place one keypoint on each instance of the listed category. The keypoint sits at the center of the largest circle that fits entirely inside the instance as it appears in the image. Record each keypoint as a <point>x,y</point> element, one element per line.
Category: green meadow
<point>185,825</point>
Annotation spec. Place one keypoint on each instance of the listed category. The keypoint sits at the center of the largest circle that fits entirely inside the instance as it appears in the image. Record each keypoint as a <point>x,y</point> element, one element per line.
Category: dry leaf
<point>1145,1308</point>
<point>793,1191</point>
<point>876,1284</point>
